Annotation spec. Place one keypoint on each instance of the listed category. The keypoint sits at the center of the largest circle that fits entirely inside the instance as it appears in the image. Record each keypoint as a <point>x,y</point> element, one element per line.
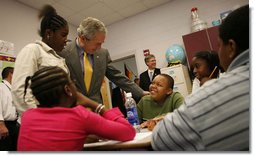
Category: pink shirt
<point>59,128</point>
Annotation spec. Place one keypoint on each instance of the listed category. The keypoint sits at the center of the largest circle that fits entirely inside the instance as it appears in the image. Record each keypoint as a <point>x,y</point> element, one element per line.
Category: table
<point>142,141</point>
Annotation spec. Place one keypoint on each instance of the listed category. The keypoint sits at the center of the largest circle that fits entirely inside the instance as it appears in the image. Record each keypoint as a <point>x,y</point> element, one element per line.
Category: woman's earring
<point>48,37</point>
<point>70,94</point>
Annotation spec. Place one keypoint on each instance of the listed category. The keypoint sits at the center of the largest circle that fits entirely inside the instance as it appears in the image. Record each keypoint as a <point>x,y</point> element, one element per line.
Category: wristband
<point>97,108</point>
<point>99,111</point>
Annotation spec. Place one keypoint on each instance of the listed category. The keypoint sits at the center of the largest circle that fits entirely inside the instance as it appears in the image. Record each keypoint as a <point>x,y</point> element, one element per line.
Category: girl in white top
<point>34,56</point>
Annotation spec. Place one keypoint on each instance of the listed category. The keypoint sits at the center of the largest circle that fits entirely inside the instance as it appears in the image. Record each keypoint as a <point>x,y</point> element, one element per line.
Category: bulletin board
<point>6,61</point>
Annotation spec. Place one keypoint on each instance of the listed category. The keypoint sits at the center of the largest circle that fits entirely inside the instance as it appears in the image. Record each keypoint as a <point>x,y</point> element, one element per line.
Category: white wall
<point>155,29</point>
<point>158,28</point>
<point>19,24</point>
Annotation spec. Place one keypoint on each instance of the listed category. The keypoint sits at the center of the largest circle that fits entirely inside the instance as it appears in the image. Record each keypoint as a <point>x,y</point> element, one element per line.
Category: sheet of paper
<point>138,137</point>
<point>101,143</point>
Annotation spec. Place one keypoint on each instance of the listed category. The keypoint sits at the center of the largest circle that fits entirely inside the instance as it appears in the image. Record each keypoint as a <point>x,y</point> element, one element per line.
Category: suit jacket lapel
<point>147,75</point>
<point>156,72</point>
<point>95,64</point>
<point>76,66</point>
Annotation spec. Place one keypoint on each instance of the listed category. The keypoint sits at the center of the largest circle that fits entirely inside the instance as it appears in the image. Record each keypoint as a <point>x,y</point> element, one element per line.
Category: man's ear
<point>232,49</point>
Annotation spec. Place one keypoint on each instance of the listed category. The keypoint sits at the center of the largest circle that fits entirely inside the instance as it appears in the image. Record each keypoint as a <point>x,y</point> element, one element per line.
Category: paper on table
<point>139,136</point>
<point>101,143</point>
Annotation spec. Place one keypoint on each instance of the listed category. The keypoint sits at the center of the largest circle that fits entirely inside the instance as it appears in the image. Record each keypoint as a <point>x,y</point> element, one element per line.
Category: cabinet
<point>180,74</point>
<point>206,39</point>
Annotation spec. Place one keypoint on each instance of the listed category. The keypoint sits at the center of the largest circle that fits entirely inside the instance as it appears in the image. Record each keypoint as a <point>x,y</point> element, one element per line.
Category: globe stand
<point>173,63</point>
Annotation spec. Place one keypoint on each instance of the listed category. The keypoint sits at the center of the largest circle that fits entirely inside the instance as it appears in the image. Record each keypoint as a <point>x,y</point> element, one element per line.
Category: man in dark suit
<point>147,76</point>
<point>87,48</point>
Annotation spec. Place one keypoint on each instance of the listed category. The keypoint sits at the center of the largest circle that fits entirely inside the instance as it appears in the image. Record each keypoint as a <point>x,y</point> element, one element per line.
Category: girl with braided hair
<point>61,121</point>
<point>34,56</point>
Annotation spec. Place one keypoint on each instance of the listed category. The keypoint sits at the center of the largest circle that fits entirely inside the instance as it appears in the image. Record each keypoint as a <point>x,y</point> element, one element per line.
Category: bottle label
<point>132,116</point>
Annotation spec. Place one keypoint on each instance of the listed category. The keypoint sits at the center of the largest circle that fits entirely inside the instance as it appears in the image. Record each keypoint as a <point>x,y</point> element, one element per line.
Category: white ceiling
<point>108,11</point>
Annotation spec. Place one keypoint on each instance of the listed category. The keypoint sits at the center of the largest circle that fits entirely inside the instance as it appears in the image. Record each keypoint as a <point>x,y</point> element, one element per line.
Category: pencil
<point>213,71</point>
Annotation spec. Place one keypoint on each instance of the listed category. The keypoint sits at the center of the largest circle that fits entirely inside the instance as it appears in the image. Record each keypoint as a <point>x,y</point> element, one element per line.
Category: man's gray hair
<point>148,57</point>
<point>89,26</point>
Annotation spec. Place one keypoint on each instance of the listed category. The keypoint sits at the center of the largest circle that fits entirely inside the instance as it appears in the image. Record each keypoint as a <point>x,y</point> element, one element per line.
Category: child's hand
<point>88,103</point>
<point>83,100</point>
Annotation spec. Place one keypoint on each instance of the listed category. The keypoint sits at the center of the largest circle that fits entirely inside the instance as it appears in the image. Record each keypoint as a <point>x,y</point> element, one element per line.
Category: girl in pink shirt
<point>59,124</point>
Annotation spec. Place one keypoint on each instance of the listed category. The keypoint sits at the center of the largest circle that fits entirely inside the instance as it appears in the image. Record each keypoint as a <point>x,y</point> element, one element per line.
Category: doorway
<point>130,62</point>
<point>117,95</point>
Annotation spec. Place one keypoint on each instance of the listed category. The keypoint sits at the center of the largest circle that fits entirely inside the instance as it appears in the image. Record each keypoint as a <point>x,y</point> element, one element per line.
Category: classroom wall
<point>20,24</point>
<point>159,28</point>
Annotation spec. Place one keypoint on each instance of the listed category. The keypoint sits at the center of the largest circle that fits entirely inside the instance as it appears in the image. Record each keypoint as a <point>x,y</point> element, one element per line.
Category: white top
<point>30,59</point>
<point>7,109</point>
<point>195,85</point>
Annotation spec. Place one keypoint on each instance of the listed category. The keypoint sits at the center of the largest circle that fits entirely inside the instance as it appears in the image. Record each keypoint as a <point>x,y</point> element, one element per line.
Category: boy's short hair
<point>170,80</point>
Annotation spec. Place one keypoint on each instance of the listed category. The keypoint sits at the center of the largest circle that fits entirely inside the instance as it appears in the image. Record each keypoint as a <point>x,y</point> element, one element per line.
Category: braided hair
<point>47,85</point>
<point>50,20</point>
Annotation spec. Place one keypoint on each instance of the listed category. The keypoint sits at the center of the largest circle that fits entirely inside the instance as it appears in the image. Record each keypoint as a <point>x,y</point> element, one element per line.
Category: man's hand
<point>4,132</point>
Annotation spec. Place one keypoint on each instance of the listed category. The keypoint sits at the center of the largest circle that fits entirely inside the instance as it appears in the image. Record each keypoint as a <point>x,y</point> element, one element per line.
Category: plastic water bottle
<point>131,109</point>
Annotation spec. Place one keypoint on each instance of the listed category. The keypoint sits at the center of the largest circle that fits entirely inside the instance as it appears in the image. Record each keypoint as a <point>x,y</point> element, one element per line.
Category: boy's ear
<point>233,49</point>
<point>170,91</point>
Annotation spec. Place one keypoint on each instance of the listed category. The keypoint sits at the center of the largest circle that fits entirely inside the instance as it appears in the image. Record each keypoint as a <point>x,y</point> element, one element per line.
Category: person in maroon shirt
<point>61,121</point>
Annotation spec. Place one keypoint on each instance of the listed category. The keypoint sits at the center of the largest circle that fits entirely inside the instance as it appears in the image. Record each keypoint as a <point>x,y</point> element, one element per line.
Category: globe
<point>175,54</point>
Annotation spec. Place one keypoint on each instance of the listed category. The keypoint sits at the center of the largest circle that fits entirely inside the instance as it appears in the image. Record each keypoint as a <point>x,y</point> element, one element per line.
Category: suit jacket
<point>145,79</point>
<point>102,67</point>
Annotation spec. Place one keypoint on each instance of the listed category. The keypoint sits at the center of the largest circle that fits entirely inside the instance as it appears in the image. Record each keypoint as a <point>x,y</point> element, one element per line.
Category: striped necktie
<point>88,71</point>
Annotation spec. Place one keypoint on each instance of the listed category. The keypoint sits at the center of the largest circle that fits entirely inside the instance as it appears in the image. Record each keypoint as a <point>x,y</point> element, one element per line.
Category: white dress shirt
<point>150,73</point>
<point>7,109</point>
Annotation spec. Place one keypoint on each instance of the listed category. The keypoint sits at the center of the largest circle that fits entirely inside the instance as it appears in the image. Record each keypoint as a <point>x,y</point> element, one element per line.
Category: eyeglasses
<point>152,61</point>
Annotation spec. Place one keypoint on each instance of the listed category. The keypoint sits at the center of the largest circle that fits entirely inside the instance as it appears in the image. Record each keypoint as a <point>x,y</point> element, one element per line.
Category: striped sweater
<point>216,117</point>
